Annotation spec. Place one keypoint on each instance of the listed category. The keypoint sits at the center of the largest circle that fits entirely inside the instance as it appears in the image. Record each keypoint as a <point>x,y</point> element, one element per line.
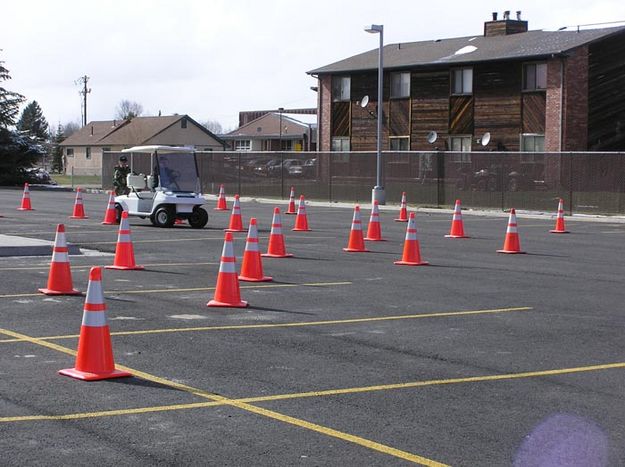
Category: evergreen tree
<point>17,151</point>
<point>33,123</point>
<point>9,101</point>
<point>57,151</point>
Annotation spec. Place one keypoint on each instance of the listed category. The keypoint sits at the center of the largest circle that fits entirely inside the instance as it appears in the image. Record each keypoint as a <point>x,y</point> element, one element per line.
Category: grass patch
<point>79,180</point>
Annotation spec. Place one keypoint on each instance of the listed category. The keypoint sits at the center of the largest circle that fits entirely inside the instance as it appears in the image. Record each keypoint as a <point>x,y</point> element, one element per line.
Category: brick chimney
<point>504,26</point>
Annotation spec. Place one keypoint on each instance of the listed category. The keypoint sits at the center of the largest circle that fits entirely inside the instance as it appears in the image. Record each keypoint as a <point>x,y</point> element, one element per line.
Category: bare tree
<point>214,127</point>
<point>128,109</point>
<point>69,128</point>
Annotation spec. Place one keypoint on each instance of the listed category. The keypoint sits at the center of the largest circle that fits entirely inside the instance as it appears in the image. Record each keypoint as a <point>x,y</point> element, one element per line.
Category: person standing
<point>120,175</point>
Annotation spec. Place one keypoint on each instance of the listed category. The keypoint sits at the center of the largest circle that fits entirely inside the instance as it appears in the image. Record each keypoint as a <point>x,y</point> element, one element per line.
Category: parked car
<point>294,167</point>
<point>37,175</point>
<point>265,169</point>
<point>310,167</point>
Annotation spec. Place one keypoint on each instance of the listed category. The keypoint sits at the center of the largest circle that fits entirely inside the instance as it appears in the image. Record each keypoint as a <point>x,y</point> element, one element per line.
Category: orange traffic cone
<point>252,265</point>
<point>276,248</point>
<point>94,359</point>
<point>26,206</point>
<point>79,208</point>
<point>356,241</point>
<point>457,227</point>
<point>560,229</point>
<point>403,210</point>
<point>236,223</point>
<point>374,230</point>
<point>301,220</point>
<point>412,251</point>
<point>124,251</point>
<point>110,216</point>
<point>511,244</point>
<point>221,200</point>
<point>60,275</point>
<point>227,292</point>
<point>291,210</point>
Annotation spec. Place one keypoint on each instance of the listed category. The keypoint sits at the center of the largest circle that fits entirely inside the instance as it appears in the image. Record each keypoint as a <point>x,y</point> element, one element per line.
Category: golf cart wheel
<point>118,212</point>
<point>198,218</point>
<point>164,217</point>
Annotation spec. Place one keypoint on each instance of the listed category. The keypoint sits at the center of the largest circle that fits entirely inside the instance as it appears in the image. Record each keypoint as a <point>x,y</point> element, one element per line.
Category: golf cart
<point>170,192</point>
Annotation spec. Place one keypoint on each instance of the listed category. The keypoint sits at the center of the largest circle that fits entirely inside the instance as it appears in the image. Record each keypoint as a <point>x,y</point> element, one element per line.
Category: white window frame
<point>341,88</point>
<point>242,145</point>
<point>463,76</point>
<point>538,73</point>
<point>463,153</point>
<point>401,141</point>
<point>340,144</point>
<point>400,85</point>
<point>536,150</point>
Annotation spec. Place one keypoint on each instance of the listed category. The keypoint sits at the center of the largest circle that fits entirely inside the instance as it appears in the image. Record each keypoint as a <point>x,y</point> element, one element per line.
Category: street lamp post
<point>280,110</point>
<point>377,194</point>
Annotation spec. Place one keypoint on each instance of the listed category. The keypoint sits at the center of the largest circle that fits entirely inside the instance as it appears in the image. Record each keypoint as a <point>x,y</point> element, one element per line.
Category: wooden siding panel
<point>399,121</point>
<point>430,108</point>
<point>364,128</point>
<point>497,108</point>
<point>534,108</point>
<point>606,94</point>
<point>340,118</point>
<point>461,115</point>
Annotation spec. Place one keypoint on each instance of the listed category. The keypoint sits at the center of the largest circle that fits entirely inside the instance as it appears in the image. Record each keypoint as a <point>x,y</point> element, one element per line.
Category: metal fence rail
<point>592,183</point>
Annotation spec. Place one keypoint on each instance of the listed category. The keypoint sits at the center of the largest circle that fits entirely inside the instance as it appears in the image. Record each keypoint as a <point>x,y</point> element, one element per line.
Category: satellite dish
<point>485,139</point>
<point>432,136</point>
<point>364,102</point>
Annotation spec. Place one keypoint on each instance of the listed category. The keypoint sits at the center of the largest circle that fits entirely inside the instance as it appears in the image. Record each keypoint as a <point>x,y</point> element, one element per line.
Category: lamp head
<point>374,28</point>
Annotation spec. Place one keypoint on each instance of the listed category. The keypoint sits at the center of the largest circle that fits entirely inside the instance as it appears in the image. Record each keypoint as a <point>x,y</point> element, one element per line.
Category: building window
<point>287,145</point>
<point>340,144</point>
<point>87,153</point>
<point>400,85</point>
<point>534,76</point>
<point>532,143</point>
<point>341,88</point>
<point>106,150</point>
<point>183,123</point>
<point>460,145</point>
<point>401,143</point>
<point>243,145</point>
<point>462,81</point>
<point>69,152</point>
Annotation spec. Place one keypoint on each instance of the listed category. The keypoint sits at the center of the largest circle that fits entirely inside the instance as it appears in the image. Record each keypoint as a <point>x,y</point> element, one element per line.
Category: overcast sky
<point>212,58</point>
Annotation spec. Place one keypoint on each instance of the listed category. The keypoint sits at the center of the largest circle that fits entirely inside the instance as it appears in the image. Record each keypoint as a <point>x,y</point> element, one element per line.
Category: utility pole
<point>83,92</point>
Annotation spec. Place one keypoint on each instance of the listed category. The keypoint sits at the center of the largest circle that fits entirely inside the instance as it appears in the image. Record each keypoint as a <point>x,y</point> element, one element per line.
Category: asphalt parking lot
<point>479,359</point>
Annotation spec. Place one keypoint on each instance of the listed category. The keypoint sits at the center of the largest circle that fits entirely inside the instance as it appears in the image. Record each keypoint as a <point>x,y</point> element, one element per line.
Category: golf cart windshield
<point>177,171</point>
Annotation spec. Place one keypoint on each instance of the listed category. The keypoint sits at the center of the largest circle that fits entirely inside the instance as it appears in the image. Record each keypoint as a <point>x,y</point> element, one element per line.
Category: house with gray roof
<point>537,90</point>
<point>83,150</point>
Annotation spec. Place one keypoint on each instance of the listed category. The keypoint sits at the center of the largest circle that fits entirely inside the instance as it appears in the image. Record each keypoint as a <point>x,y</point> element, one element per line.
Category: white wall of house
<point>80,163</point>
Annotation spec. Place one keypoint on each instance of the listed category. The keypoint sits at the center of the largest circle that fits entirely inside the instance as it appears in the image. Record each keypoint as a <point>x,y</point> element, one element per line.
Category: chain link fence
<point>591,183</point>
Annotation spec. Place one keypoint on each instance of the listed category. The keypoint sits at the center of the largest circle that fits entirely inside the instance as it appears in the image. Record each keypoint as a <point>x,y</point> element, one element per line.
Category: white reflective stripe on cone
<point>94,319</point>
<point>94,293</point>
<point>227,266</point>
<point>59,257</point>
<point>123,238</point>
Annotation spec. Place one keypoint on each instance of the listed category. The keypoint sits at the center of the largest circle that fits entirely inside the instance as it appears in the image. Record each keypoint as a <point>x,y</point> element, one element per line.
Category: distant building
<point>83,149</point>
<point>531,90</point>
<point>275,131</point>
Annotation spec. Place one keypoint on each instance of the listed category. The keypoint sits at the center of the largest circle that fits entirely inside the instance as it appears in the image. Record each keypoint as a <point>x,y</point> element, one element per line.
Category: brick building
<point>531,90</point>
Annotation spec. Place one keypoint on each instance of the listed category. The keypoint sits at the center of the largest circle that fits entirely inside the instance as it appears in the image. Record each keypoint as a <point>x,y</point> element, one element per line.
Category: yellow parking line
<point>251,408</point>
<point>323,393</point>
<point>108,413</point>
<point>437,382</point>
<point>236,327</point>
<point>82,267</point>
<point>194,289</point>
<point>170,240</point>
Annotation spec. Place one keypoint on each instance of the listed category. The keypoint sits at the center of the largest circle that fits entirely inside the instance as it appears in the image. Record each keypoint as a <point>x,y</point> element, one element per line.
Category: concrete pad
<point>11,245</point>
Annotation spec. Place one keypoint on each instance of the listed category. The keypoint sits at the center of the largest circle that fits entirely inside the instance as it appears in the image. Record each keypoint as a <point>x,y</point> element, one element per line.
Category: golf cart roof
<point>157,147</point>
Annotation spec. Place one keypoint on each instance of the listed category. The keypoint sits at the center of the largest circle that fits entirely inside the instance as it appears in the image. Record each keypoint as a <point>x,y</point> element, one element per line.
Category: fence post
<point>440,181</point>
<point>239,173</point>
<point>570,184</point>
<point>330,177</point>
<point>71,177</point>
